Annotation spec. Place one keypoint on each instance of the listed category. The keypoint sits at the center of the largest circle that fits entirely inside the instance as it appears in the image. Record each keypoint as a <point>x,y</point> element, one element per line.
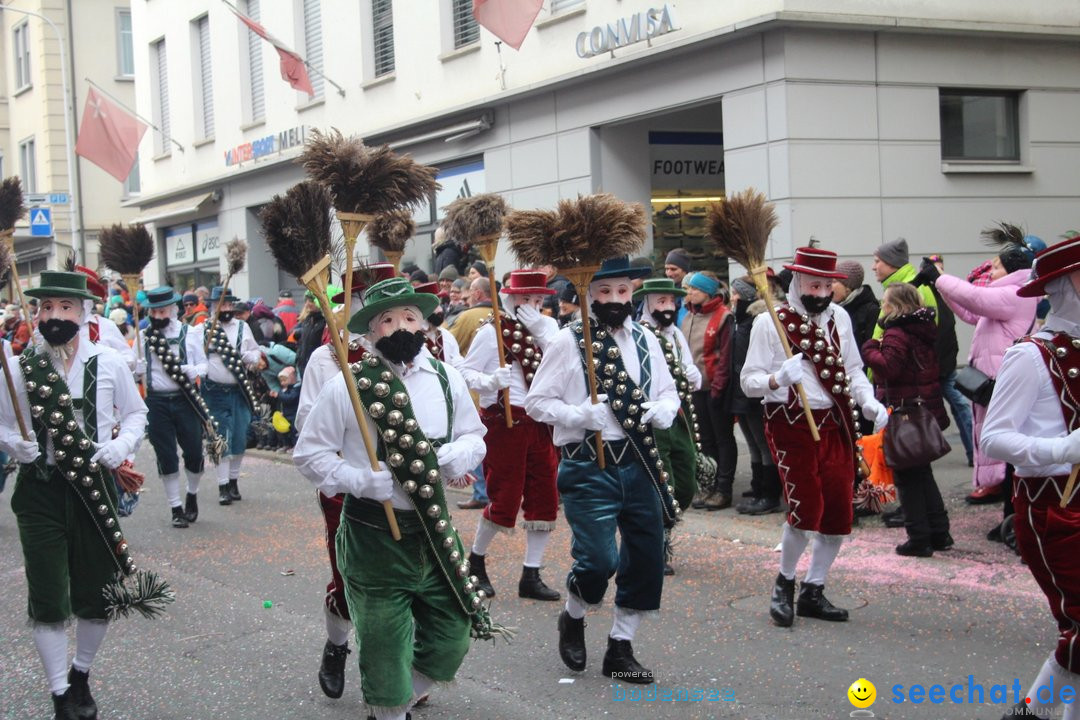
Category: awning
<point>187,206</point>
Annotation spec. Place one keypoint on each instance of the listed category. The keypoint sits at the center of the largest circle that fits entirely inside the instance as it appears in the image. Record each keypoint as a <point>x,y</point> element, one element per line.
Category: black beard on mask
<point>612,314</point>
<point>664,318</point>
<point>160,323</point>
<point>815,305</point>
<point>436,318</point>
<point>58,332</point>
<point>226,315</point>
<point>401,346</point>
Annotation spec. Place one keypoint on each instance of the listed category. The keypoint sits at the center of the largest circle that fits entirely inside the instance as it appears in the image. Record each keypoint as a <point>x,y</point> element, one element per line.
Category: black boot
<point>223,496</point>
<point>813,603</point>
<point>234,490</point>
<point>531,586</point>
<point>620,664</point>
<point>178,519</point>
<point>782,604</point>
<point>79,694</point>
<point>758,506</point>
<point>572,641</point>
<point>332,669</point>
<point>476,562</point>
<point>64,706</point>
<point>191,507</point>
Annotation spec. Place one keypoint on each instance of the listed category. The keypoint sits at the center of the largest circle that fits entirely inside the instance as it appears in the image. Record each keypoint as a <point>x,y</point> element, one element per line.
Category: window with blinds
<point>161,96</point>
<point>382,32</point>
<point>313,44</point>
<point>561,6</point>
<point>466,31</point>
<point>205,77</point>
<point>256,98</point>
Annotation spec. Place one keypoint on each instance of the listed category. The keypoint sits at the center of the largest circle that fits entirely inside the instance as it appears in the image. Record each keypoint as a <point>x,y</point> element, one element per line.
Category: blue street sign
<point>59,198</point>
<point>40,222</point>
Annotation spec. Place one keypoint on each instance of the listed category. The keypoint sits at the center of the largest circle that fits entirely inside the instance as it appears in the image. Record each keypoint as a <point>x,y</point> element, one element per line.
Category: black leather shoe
<point>894,521</point>
<point>471,505</point>
<point>942,542</point>
<point>191,508</point>
<point>178,519</point>
<point>668,570</point>
<point>79,694</point>
<point>620,664</point>
<point>758,506</point>
<point>532,587</point>
<point>572,641</point>
<point>911,548</point>
<point>813,603</point>
<point>782,603</point>
<point>332,669</point>
<point>234,490</point>
<point>64,707</point>
<point>476,562</point>
<point>748,493</point>
<point>223,497</point>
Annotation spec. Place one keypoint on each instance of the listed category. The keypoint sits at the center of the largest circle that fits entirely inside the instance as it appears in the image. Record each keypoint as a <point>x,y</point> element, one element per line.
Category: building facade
<point>68,209</point>
<point>924,120</point>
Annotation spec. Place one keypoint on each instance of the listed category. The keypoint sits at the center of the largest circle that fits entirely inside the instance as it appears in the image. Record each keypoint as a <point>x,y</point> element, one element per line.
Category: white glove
<point>873,410</point>
<point>110,454</point>
<point>377,485</point>
<point>140,367</point>
<point>791,372</point>
<point>660,414</point>
<point>453,460</point>
<point>500,378</point>
<point>595,414</point>
<point>190,372</point>
<point>25,451</point>
<point>529,317</point>
<point>1068,450</point>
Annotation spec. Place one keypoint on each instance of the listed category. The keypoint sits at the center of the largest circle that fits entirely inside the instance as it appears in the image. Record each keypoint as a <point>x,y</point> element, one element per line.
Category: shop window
<point>466,30</point>
<point>980,125</point>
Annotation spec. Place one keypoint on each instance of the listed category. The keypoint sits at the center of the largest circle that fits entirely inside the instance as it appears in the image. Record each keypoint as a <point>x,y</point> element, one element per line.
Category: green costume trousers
<point>679,453</point>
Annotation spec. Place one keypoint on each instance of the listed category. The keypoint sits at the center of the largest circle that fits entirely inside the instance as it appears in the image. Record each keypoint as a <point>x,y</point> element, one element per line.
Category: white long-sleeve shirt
<point>559,385</point>
<point>675,336</point>
<point>766,354</point>
<point>321,367</point>
<point>249,350</point>
<point>1023,424</point>
<point>159,380</point>
<point>110,336</point>
<point>483,360</point>
<point>331,426</point>
<point>118,400</point>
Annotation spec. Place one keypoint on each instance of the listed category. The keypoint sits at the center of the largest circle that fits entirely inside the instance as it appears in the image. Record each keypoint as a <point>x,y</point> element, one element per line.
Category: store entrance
<point>187,279</point>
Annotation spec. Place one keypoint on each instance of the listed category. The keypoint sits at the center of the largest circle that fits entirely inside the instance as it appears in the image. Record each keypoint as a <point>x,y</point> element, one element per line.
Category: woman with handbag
<point>904,362</point>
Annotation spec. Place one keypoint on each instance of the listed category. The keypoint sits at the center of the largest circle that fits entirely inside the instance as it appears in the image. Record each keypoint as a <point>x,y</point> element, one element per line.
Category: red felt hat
<point>815,261</point>
<point>93,282</point>
<point>378,272</point>
<point>527,282</point>
<point>1053,262</point>
<point>432,288</point>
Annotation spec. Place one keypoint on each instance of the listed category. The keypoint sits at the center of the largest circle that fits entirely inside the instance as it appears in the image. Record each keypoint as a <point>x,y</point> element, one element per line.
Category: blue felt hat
<point>161,297</point>
<point>620,267</point>
<point>215,295</point>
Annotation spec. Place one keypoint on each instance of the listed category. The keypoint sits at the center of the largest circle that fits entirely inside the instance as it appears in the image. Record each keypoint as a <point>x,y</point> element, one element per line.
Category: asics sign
<point>626,31</point>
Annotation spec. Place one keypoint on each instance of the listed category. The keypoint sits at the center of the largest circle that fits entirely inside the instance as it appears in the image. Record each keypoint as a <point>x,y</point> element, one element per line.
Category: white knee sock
<point>420,686</point>
<point>193,482</point>
<point>89,635</point>
<point>625,624</point>
<point>1049,673</point>
<point>52,645</point>
<point>223,471</point>
<point>172,488</point>
<point>535,543</point>
<point>822,555</point>
<point>574,607</point>
<point>792,544</point>
<point>485,533</point>
<point>234,466</point>
<point>337,629</point>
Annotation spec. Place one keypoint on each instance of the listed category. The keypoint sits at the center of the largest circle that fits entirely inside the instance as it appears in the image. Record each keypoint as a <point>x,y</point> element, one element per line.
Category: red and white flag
<point>508,20</point>
<point>109,136</point>
<point>293,70</point>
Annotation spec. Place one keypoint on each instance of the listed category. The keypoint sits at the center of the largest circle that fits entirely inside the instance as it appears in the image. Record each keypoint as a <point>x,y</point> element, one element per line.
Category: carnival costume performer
<point>322,367</point>
<point>226,388</point>
<point>412,601</point>
<point>65,499</point>
<point>815,475</point>
<point>100,329</point>
<point>174,361</point>
<point>631,493</point>
<point>521,464</point>
<point>440,342</point>
<point>1033,422</point>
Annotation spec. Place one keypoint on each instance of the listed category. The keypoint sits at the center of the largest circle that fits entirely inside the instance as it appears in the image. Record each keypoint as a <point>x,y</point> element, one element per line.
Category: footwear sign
<point>687,161</point>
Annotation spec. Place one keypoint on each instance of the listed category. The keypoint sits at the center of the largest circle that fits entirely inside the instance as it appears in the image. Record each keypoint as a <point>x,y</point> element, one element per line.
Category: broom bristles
<point>740,227</point>
<point>235,255</point>
<point>297,227</point>
<point>583,231</point>
<point>390,231</point>
<point>12,208</point>
<point>477,216</point>
<point>5,265</point>
<point>127,250</point>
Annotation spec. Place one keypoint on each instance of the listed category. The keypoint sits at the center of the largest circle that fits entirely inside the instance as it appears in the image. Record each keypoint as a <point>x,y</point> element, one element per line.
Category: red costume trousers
<point>335,589</point>
<point>815,476</point>
<point>1048,537</point>
<point>521,468</point>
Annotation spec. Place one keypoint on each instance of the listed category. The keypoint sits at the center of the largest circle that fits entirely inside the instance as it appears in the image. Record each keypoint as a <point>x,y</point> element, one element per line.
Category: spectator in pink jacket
<point>999,317</point>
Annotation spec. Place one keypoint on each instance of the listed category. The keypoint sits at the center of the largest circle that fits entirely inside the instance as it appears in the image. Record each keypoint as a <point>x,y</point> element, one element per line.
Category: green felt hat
<point>658,286</point>
<point>62,284</point>
<point>387,294</point>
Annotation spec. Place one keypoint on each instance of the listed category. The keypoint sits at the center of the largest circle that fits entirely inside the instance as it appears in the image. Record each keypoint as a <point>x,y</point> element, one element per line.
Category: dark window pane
<point>979,126</point>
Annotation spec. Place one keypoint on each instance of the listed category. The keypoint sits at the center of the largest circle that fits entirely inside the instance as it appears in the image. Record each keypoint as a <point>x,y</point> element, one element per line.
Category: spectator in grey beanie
<point>676,265</point>
<point>744,289</point>
<point>891,266</point>
<point>857,299</point>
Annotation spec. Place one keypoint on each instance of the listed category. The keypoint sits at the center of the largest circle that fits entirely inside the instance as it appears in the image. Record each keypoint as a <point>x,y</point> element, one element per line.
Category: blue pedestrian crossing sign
<point>41,222</point>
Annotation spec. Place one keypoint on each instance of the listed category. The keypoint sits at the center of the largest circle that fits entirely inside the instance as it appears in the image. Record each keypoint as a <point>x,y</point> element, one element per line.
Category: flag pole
<point>119,102</point>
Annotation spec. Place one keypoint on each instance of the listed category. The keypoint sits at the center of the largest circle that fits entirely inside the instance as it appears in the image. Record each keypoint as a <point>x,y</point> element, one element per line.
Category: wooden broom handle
<point>12,395</point>
<point>497,325</point>
<point>586,333</point>
<point>1069,486</point>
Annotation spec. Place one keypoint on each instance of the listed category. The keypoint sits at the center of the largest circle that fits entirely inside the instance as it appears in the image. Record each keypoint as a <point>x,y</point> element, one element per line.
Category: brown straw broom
<point>740,227</point>
<point>5,276</point>
<point>128,250</point>
<point>478,220</point>
<point>389,231</point>
<point>235,256</point>
<point>576,238</point>
<point>297,231</point>
<point>12,210</point>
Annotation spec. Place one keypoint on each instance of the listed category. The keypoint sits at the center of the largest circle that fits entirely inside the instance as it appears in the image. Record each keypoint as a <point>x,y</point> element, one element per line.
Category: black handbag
<point>913,437</point>
<point>975,385</point>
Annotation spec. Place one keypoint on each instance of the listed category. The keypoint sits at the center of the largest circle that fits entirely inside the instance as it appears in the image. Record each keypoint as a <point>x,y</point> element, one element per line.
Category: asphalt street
<point>219,653</point>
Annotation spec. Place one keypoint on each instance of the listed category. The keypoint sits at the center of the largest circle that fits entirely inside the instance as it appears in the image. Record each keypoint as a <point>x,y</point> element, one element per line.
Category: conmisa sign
<point>639,27</point>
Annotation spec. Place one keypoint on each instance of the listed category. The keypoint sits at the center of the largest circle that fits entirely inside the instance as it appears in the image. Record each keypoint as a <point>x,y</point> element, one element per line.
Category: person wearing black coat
<point>857,299</point>
<point>310,331</point>
<point>904,362</point>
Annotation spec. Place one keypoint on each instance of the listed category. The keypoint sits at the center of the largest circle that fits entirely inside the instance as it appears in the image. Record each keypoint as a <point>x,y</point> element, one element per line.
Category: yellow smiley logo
<point>862,693</point>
